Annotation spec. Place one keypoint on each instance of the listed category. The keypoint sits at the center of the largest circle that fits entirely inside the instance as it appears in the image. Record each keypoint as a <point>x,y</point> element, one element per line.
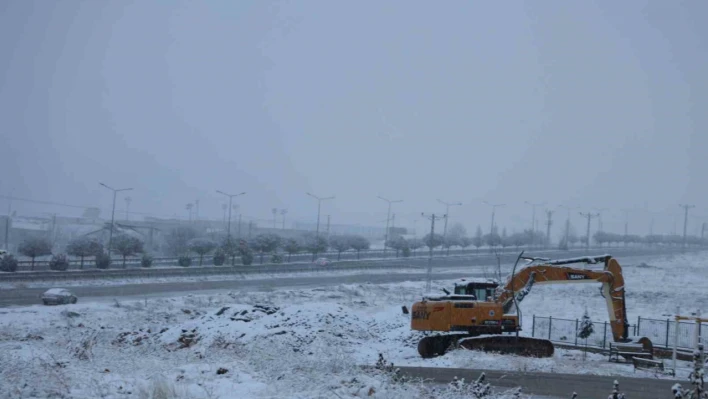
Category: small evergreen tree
<point>146,261</point>
<point>103,261</point>
<point>586,329</point>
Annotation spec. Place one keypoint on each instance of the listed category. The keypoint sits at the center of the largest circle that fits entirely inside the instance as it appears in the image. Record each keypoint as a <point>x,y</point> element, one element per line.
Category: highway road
<point>29,296</point>
<point>552,384</point>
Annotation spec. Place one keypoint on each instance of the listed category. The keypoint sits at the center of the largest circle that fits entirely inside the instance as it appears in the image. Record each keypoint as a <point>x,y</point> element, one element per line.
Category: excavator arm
<point>560,272</point>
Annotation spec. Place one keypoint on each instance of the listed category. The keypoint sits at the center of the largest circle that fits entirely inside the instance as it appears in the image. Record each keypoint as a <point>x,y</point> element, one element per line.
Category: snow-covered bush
<point>184,261</point>
<point>247,258</point>
<point>59,263</point>
<point>8,264</point>
<point>103,261</point>
<point>219,257</point>
<point>146,261</point>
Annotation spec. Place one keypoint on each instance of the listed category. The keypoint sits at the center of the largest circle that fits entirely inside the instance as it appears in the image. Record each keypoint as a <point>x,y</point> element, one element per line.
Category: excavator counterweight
<point>478,313</point>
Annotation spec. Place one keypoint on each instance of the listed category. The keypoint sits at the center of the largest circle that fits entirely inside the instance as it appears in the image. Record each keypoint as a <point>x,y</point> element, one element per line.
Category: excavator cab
<point>481,290</point>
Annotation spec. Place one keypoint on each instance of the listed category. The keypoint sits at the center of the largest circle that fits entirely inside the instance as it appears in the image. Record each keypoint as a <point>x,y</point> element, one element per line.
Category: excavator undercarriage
<point>479,313</point>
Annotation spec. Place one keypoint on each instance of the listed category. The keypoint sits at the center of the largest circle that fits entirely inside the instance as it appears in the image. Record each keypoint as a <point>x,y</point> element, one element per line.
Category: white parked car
<point>322,262</point>
<point>58,296</point>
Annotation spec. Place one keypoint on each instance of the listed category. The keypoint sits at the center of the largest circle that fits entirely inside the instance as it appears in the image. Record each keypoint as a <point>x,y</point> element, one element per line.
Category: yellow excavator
<point>478,314</point>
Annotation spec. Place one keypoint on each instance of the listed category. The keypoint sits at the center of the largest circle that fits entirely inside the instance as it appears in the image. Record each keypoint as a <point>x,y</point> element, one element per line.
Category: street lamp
<point>494,207</point>
<point>319,204</point>
<point>113,213</point>
<point>447,213</point>
<point>231,197</point>
<point>283,212</point>
<point>599,217</point>
<point>128,200</point>
<point>567,221</point>
<point>388,219</point>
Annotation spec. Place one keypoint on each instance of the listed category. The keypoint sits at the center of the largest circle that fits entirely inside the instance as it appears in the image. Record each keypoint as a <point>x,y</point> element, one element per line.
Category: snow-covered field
<point>305,343</point>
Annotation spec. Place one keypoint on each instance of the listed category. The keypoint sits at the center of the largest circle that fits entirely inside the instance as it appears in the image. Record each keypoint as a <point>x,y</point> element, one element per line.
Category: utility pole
<point>224,207</point>
<point>685,220</point>
<point>494,207</point>
<point>283,212</point>
<point>250,228</point>
<point>447,213</point>
<point>589,216</point>
<point>388,219</point>
<point>429,274</point>
<point>626,222</point>
<point>196,210</point>
<point>328,219</point>
<point>189,211</point>
<point>275,215</point>
<point>549,222</point>
<point>567,222</point>
<point>599,217</point>
<point>533,218</point>
<point>128,200</point>
<point>231,198</point>
<point>319,205</point>
<point>113,213</point>
<point>7,222</point>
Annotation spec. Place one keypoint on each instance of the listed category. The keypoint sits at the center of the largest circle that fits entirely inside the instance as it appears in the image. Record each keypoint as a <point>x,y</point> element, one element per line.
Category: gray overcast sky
<point>592,104</point>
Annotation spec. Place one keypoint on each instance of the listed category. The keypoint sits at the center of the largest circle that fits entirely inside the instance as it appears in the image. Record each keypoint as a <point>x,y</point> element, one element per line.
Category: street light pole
<point>231,197</point>
<point>685,221</point>
<point>113,213</point>
<point>567,221</point>
<point>319,207</point>
<point>533,218</point>
<point>599,218</point>
<point>283,212</point>
<point>494,207</point>
<point>447,213</point>
<point>127,208</point>
<point>388,219</point>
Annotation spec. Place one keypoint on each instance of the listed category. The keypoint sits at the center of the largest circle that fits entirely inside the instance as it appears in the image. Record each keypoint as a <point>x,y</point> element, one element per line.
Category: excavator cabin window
<point>481,291</point>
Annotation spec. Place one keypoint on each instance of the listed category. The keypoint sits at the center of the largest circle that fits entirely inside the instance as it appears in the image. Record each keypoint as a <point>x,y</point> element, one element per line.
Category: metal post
<point>685,220</point>
<point>228,229</point>
<point>239,226</point>
<point>639,325</point>
<point>604,336</point>
<point>576,332</point>
<point>676,334</point>
<point>550,324</point>
<point>533,326</point>
<point>696,330</point>
<point>113,214</point>
<point>667,333</point>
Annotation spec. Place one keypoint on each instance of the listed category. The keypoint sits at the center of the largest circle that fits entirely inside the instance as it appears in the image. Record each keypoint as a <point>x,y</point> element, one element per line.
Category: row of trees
<point>610,239</point>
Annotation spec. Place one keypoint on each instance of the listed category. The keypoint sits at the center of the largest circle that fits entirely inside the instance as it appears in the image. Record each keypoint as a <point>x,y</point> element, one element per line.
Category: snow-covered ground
<point>305,343</point>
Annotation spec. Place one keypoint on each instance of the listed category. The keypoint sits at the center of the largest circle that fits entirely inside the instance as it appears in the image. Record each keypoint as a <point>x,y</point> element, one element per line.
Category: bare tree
<point>201,246</point>
<point>82,247</point>
<point>126,246</point>
<point>34,247</point>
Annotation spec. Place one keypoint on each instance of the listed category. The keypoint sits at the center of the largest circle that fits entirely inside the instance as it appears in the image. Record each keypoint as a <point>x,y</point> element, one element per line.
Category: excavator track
<point>434,346</point>
<point>509,344</point>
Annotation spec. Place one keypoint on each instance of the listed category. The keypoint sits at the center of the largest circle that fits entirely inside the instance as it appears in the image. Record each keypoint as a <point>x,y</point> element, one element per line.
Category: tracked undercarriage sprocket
<point>523,346</point>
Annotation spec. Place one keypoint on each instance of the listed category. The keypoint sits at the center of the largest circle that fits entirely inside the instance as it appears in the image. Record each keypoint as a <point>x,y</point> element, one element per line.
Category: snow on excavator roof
<point>481,280</point>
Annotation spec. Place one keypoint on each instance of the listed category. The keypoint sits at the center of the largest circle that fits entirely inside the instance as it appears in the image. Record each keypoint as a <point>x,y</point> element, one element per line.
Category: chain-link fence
<point>566,330</point>
<point>662,333</point>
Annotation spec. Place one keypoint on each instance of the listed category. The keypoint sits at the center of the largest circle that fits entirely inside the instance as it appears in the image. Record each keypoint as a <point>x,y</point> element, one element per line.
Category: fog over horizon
<point>594,105</point>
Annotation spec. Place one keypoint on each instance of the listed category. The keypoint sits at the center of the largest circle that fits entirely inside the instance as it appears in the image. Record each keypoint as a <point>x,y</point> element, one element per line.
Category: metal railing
<point>566,331</point>
<point>661,332</point>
